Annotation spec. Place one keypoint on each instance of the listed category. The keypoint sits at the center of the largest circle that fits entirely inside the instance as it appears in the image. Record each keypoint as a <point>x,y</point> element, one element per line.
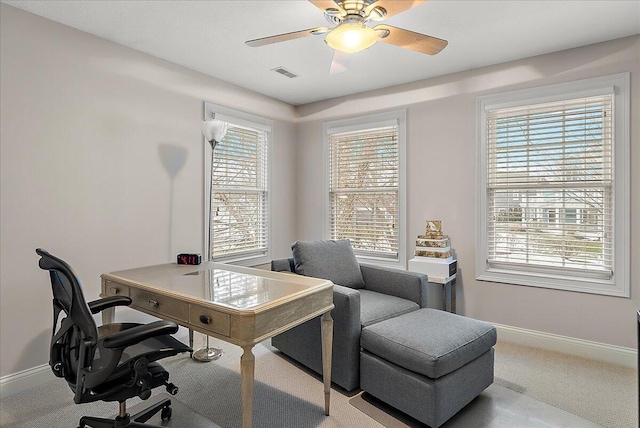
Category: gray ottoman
<point>427,363</point>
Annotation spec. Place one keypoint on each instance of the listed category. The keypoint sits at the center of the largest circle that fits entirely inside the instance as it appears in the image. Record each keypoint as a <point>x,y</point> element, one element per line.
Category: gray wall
<point>441,177</point>
<point>85,123</point>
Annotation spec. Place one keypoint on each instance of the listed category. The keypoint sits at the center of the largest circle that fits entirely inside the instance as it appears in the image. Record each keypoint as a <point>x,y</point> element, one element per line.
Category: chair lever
<point>141,378</point>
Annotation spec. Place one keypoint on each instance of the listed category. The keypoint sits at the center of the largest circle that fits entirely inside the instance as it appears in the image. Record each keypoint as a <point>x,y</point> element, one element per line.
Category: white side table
<point>433,268</point>
<point>451,282</point>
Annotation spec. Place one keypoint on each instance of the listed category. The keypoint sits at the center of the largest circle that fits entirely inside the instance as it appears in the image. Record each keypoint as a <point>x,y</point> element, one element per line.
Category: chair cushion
<point>376,307</point>
<point>330,259</point>
<point>429,341</point>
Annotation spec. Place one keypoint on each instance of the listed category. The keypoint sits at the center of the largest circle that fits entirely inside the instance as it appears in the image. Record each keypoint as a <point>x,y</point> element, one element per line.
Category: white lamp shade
<point>214,130</point>
<point>351,37</point>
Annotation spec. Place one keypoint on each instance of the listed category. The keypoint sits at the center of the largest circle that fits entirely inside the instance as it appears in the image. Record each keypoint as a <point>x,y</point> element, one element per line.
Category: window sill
<point>592,286</point>
<point>247,261</point>
<point>380,261</point>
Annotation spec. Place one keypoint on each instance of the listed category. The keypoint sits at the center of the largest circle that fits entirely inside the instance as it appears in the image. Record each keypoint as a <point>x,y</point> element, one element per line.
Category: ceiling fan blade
<point>286,36</point>
<point>324,5</point>
<point>340,62</point>
<point>393,7</point>
<point>410,40</point>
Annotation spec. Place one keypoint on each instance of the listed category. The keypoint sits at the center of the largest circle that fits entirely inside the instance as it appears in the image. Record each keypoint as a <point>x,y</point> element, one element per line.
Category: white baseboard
<point>627,357</point>
<point>24,380</point>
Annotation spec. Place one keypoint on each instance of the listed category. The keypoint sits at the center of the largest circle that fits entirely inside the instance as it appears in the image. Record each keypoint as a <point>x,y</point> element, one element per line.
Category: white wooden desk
<point>239,305</point>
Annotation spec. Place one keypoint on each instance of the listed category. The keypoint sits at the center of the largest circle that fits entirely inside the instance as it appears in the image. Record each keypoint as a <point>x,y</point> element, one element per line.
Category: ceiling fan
<point>351,33</point>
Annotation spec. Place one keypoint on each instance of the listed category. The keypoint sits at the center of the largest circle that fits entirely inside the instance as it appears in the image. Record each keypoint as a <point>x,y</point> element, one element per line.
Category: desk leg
<point>327,347</point>
<point>108,315</point>
<point>247,368</point>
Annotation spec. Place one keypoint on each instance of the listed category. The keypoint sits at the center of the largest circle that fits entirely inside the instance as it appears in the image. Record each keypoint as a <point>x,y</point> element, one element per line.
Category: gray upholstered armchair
<point>362,295</point>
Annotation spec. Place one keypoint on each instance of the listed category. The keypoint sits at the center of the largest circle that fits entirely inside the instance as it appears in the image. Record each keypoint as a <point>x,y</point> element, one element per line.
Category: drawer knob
<point>153,303</point>
<point>114,290</point>
<point>205,319</point>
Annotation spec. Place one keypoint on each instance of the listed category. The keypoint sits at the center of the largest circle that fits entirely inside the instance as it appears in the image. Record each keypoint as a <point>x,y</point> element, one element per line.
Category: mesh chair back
<point>77,326</point>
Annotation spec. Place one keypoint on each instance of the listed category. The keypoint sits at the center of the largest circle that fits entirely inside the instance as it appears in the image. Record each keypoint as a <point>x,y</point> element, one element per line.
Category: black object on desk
<point>189,259</point>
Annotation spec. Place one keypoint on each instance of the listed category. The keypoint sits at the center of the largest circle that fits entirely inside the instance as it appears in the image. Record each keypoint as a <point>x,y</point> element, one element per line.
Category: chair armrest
<point>283,265</point>
<point>137,334</point>
<point>346,337</point>
<point>395,282</point>
<point>303,343</point>
<point>346,311</point>
<point>108,302</point>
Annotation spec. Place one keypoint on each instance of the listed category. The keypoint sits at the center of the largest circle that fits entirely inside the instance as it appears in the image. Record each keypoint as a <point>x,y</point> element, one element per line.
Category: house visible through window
<point>365,185</point>
<point>553,208</point>
<point>239,210</point>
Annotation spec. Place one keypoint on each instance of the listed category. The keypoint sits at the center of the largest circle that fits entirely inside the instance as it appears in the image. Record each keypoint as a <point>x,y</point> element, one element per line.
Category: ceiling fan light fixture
<point>351,37</point>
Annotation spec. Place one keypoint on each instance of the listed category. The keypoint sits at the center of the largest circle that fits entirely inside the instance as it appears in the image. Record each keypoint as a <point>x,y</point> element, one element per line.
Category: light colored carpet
<point>288,396</point>
<point>496,407</point>
<point>182,415</point>
<point>606,394</point>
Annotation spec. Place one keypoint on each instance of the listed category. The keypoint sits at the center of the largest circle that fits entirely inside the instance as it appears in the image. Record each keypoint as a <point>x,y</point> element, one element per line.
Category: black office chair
<point>113,362</point>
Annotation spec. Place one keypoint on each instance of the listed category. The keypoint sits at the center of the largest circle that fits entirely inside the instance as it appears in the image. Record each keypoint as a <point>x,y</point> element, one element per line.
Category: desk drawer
<point>160,305</point>
<point>115,289</point>
<point>209,319</point>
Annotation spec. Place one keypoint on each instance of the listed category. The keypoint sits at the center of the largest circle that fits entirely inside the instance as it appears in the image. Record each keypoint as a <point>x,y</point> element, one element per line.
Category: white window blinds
<point>550,186</point>
<point>239,203</point>
<point>364,189</point>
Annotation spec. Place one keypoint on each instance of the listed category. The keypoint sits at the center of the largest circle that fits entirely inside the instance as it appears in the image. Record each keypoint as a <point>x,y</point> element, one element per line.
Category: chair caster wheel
<point>165,415</point>
<point>172,389</point>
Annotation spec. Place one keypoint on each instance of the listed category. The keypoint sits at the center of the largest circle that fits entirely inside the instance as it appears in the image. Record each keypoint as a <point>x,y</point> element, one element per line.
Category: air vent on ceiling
<point>284,72</point>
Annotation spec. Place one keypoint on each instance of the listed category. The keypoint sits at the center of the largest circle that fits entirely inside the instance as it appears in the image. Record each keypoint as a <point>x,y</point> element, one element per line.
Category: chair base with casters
<point>113,362</point>
<point>124,420</point>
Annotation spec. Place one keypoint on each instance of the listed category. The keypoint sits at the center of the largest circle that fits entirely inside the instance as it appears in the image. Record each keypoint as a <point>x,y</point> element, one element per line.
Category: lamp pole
<point>213,131</point>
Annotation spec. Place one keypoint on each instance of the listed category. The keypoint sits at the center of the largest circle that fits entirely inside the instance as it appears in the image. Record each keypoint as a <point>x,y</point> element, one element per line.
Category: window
<point>238,213</point>
<point>365,181</point>
<point>553,190</point>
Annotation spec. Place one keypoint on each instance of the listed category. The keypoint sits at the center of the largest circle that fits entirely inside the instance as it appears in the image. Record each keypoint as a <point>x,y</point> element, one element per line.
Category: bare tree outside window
<point>239,206</point>
<point>364,187</point>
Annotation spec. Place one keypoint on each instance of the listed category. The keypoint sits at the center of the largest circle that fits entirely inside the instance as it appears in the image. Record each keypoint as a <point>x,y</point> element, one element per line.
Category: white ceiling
<point>209,36</point>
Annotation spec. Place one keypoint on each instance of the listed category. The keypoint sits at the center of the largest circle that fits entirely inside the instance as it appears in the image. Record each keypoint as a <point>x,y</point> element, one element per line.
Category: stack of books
<point>433,255</point>
<point>433,244</point>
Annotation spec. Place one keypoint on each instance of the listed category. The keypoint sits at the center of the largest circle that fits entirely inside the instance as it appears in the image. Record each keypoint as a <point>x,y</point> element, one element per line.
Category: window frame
<point>361,123</point>
<point>250,121</point>
<point>616,84</point>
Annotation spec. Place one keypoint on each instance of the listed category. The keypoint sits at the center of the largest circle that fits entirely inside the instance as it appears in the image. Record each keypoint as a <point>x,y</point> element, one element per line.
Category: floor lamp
<point>213,131</point>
